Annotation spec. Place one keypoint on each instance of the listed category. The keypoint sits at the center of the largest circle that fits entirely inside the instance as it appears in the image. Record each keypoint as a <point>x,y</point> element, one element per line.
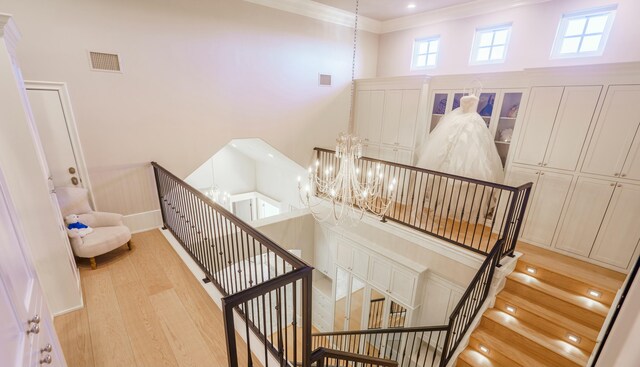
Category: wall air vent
<point>324,80</point>
<point>101,61</point>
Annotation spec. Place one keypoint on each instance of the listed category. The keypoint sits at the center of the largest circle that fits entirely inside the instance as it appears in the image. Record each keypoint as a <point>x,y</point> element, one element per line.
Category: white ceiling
<point>390,9</point>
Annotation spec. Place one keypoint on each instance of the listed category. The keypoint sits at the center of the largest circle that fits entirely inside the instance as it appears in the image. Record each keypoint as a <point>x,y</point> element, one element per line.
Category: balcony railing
<point>266,286</point>
<point>467,212</point>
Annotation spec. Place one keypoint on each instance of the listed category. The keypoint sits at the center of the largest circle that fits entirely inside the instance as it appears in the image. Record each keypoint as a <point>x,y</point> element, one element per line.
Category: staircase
<point>548,314</point>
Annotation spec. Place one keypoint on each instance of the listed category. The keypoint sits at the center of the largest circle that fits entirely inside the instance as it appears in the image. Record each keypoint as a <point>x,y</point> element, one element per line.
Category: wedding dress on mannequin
<point>462,145</point>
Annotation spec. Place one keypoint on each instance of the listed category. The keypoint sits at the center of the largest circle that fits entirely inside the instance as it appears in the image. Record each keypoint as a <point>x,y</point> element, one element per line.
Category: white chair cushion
<point>73,200</point>
<point>102,240</point>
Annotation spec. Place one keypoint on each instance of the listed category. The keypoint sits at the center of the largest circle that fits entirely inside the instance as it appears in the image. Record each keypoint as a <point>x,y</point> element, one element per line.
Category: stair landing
<point>548,314</point>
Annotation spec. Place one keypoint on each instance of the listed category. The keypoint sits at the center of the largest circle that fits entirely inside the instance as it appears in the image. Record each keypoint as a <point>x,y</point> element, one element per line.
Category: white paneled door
<point>23,316</point>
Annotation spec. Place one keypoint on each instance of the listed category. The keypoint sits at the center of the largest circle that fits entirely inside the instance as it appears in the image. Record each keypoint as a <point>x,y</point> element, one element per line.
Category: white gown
<point>462,145</point>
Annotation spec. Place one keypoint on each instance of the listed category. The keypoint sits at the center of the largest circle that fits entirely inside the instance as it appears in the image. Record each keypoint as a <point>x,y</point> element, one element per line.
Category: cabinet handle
<point>619,185</point>
<point>544,164</point>
<point>35,329</point>
<point>46,359</point>
<point>539,163</point>
<point>34,320</point>
<point>47,348</point>
<point>623,175</point>
<point>541,173</point>
<point>612,184</point>
<point>616,174</point>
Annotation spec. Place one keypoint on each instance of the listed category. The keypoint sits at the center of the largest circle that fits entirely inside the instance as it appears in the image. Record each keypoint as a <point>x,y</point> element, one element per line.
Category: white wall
<point>196,73</point>
<point>296,232</point>
<point>234,172</point>
<point>280,183</point>
<point>621,348</point>
<point>532,36</point>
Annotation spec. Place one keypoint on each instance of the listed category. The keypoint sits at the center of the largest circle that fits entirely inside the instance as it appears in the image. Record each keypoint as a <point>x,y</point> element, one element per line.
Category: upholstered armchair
<point>108,233</point>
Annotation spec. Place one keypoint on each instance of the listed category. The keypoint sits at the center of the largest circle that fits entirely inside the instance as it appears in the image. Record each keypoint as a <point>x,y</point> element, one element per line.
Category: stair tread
<point>560,347</point>
<point>550,315</point>
<point>477,359</point>
<point>570,267</point>
<point>575,299</point>
<point>516,354</point>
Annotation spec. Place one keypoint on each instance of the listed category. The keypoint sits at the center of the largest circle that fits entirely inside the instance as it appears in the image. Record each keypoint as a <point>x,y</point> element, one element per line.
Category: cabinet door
<point>344,255</point>
<point>388,154</point>
<point>391,116</point>
<point>519,176</point>
<point>546,207</point>
<point>572,124</point>
<point>404,156</point>
<point>585,211</point>
<point>408,117</point>
<point>538,124</point>
<point>620,230</point>
<point>369,106</point>
<point>360,263</point>
<point>380,275</point>
<point>614,133</point>
<point>631,167</point>
<point>371,151</point>
<point>402,286</point>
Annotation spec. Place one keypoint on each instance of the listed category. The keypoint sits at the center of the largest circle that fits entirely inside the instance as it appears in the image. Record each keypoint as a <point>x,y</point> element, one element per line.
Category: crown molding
<point>9,32</point>
<point>477,7</point>
<point>322,12</point>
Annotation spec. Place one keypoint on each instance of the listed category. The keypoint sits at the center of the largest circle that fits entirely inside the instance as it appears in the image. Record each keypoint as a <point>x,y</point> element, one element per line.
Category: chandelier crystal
<point>352,188</point>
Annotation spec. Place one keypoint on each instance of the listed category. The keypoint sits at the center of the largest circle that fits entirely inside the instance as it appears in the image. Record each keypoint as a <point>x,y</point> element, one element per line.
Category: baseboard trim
<point>144,221</point>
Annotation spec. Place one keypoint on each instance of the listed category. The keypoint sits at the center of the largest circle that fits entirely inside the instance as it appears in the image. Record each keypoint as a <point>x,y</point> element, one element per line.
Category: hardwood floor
<point>143,308</point>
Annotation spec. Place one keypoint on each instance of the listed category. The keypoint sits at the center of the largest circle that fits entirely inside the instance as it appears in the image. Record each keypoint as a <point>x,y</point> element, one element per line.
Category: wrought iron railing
<point>323,357</point>
<point>471,303</point>
<point>413,346</point>
<point>264,285</point>
<point>269,289</point>
<point>467,212</point>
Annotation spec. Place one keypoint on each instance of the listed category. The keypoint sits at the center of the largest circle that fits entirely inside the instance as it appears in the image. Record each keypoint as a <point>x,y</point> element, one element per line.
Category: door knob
<point>74,180</point>
<point>35,329</point>
<point>72,170</point>
<point>46,359</point>
<point>47,348</point>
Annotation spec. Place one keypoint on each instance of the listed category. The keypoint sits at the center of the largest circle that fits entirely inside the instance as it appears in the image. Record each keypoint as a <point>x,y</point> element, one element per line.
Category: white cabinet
<point>601,221</point>
<point>352,258</point>
<point>556,126</point>
<point>620,230</point>
<point>369,108</point>
<point>322,310</point>
<point>587,206</point>
<point>613,150</point>
<point>547,199</point>
<point>388,117</point>
<point>324,250</point>
<point>393,280</point>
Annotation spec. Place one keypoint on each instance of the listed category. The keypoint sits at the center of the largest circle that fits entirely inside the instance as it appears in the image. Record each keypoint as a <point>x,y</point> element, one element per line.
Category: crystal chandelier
<point>349,189</point>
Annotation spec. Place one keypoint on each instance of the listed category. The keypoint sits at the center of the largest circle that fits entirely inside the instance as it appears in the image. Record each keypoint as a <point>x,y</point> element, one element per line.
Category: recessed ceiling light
<point>595,293</point>
<point>573,338</point>
<point>484,349</point>
<point>511,309</point>
<point>270,155</point>
<point>531,270</point>
<point>233,145</point>
<point>411,6</point>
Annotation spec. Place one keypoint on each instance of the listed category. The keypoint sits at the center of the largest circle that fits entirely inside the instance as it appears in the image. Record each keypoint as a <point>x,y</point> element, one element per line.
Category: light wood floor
<point>143,308</point>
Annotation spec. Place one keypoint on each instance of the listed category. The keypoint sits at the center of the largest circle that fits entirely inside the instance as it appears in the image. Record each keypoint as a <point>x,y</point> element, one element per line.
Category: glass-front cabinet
<point>498,108</point>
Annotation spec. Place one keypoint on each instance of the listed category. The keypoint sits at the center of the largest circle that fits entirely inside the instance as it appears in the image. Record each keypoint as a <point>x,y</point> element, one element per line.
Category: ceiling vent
<point>101,61</point>
<point>324,80</point>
